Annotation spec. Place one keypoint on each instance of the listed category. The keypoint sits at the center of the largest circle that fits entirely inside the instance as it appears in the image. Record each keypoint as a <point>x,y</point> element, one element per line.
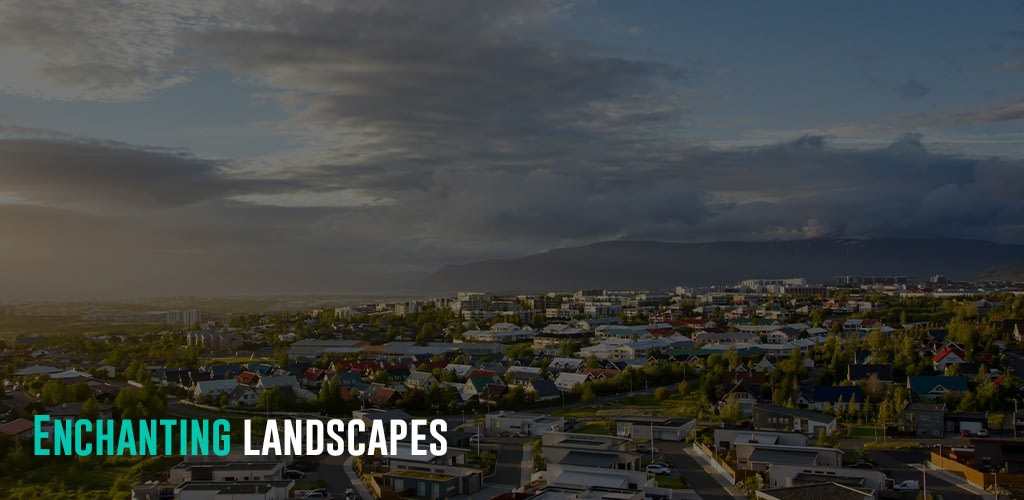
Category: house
<point>789,476</point>
<point>745,394</point>
<point>589,460</point>
<point>830,490</point>
<point>764,365</point>
<point>243,395</point>
<point>523,375</point>
<point>206,389</point>
<point>951,354</point>
<point>543,390</point>
<point>991,454</point>
<point>775,418</point>
<point>760,456</point>
<point>19,429</point>
<point>565,365</point>
<point>420,380</point>
<point>856,373</point>
<point>932,387</point>
<point>568,382</point>
<point>727,439</point>
<point>833,395</point>
<point>528,424</point>
<point>925,419</point>
<point>658,428</point>
<point>70,412</point>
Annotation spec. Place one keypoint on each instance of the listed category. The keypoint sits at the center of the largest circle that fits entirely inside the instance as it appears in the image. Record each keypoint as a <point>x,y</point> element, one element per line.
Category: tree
<point>661,393</point>
<point>91,409</point>
<point>54,392</point>
<point>588,395</point>
<point>732,412</point>
<point>425,335</point>
<point>271,399</point>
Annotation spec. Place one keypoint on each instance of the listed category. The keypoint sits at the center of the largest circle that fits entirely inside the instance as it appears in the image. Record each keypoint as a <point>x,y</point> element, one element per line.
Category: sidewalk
<point>357,482</point>
<point>958,481</point>
<point>703,462</point>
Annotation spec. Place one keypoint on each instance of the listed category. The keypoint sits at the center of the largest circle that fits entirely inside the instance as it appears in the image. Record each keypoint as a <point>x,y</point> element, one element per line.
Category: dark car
<point>294,474</point>
<point>863,465</point>
<point>303,466</point>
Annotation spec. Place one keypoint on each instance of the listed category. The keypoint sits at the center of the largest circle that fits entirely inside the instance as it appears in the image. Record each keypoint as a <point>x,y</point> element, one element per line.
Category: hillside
<point>645,264</point>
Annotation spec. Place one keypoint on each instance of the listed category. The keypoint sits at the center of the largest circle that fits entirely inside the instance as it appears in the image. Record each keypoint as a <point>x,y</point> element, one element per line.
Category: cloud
<point>1012,66</point>
<point>114,50</point>
<point>997,111</point>
<point>913,89</point>
<point>97,176</point>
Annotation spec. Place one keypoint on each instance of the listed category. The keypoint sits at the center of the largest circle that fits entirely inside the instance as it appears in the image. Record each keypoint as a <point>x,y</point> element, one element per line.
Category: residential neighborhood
<point>689,393</point>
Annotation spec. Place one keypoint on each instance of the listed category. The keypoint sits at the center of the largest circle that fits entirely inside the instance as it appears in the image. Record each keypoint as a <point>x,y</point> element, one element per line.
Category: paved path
<point>901,465</point>
<point>702,479</point>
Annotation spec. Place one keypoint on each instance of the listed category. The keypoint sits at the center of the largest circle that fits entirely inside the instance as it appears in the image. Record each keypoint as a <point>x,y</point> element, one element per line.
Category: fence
<point>722,468</point>
<point>971,474</point>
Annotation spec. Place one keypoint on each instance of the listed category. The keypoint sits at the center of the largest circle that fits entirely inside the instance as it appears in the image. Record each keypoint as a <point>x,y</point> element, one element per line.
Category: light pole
<point>924,481</point>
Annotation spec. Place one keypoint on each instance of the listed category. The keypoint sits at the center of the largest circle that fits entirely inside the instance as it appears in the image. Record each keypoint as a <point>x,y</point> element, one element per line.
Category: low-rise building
<point>529,424</point>
<point>656,428</point>
<point>776,418</point>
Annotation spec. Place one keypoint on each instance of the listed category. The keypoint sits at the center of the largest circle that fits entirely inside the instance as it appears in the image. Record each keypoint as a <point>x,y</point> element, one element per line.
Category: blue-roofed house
<point>932,387</point>
<point>544,390</point>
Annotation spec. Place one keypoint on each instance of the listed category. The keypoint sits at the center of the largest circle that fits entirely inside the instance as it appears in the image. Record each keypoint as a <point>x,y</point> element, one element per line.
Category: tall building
<point>187,318</point>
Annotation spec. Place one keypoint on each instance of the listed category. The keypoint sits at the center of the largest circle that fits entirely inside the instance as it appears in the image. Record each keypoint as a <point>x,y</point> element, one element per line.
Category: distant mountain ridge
<point>658,265</point>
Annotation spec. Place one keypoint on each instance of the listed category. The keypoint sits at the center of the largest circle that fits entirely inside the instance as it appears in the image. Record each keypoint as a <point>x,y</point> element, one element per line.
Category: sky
<point>214,147</point>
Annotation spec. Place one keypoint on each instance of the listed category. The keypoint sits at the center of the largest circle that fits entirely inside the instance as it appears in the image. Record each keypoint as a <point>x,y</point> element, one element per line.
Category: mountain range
<point>659,265</point>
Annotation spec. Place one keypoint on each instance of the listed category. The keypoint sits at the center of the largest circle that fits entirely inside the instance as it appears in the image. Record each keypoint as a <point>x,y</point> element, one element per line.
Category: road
<point>899,465</point>
<point>510,463</point>
<point>693,471</point>
<point>332,472</point>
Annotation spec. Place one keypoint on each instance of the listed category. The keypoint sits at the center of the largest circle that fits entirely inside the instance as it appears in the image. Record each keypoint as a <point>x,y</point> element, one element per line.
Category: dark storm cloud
<point>913,89</point>
<point>415,87</point>
<point>94,174</point>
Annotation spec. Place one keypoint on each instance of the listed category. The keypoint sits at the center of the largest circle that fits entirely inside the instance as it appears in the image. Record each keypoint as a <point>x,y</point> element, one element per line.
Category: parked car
<point>350,494</point>
<point>294,474</point>
<point>983,433</point>
<point>863,465</point>
<point>965,433</point>
<point>475,438</point>
<point>908,485</point>
<point>303,466</point>
<point>658,470</point>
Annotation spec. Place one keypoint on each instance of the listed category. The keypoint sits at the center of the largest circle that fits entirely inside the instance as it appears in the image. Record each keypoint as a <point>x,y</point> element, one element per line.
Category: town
<point>867,387</point>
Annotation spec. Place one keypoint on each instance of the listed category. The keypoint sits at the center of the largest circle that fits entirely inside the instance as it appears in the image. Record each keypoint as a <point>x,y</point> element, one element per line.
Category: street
<point>901,465</point>
<point>693,471</point>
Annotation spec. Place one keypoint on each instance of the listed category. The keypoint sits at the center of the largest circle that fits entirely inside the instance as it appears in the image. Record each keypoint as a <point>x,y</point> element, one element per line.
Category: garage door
<point>974,427</point>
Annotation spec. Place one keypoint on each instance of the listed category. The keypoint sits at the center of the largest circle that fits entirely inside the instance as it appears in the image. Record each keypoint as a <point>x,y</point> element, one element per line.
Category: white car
<point>475,438</point>
<point>658,470</point>
<point>983,433</point>
<point>908,485</point>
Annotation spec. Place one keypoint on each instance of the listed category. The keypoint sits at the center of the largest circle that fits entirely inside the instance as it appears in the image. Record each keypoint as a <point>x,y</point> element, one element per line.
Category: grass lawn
<point>674,482</point>
<point>239,360</point>
<point>892,445</point>
<point>995,420</point>
<point>598,427</point>
<point>865,431</point>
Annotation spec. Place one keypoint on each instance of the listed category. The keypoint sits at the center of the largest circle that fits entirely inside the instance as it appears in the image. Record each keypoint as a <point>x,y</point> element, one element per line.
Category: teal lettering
<point>105,437</point>
<point>147,437</point>
<point>82,447</point>
<point>222,437</point>
<point>40,435</point>
<point>126,441</point>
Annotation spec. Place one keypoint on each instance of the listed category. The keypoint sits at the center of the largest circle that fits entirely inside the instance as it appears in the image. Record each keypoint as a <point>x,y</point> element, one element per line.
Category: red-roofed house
<point>949,355</point>
<point>248,378</point>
